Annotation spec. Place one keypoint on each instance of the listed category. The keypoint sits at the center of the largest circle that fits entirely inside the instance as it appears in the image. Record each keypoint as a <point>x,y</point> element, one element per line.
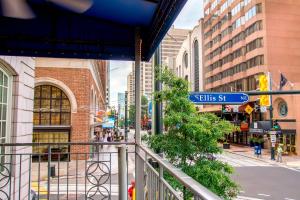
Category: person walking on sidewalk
<point>279,153</point>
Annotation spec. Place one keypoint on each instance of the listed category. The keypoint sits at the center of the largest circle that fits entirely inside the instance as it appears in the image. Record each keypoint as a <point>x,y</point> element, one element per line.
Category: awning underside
<point>106,30</point>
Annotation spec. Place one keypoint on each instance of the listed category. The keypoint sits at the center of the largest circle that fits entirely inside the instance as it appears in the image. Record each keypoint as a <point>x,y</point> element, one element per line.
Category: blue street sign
<point>218,98</point>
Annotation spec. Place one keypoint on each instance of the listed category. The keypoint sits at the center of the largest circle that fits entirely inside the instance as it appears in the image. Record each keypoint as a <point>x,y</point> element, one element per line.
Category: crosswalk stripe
<point>246,198</point>
<point>237,162</point>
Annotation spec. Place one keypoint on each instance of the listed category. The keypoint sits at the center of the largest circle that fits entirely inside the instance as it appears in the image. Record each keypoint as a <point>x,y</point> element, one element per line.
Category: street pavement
<point>260,180</point>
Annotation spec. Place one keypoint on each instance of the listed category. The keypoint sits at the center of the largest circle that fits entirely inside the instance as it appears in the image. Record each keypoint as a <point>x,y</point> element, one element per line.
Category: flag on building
<point>283,81</point>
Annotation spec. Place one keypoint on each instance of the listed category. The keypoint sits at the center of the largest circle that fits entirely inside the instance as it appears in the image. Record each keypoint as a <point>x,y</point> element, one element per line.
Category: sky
<point>187,19</point>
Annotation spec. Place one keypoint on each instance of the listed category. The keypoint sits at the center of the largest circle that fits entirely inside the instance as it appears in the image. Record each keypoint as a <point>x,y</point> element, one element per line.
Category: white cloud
<point>190,14</point>
<point>118,79</point>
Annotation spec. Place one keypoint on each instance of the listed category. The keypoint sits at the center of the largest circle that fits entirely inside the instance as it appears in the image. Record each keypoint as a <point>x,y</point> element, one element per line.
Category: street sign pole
<point>271,115</point>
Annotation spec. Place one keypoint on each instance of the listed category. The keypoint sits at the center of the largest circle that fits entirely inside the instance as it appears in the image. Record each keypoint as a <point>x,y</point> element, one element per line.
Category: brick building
<point>68,94</point>
<point>246,38</point>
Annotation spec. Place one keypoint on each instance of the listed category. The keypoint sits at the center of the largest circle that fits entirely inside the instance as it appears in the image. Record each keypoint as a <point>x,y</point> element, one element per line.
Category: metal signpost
<point>218,98</point>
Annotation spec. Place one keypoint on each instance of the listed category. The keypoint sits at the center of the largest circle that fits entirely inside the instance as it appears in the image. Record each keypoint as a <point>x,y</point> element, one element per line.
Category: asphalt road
<point>260,180</point>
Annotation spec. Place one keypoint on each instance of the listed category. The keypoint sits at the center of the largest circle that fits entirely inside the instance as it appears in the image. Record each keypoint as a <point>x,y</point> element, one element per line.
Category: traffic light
<point>264,86</point>
<point>263,83</point>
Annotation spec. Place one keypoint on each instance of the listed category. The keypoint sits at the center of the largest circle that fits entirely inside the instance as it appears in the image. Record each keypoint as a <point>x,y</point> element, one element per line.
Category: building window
<point>5,100</point>
<point>51,106</point>
<point>282,109</point>
<point>186,77</point>
<point>185,60</point>
<point>51,119</point>
<point>196,64</point>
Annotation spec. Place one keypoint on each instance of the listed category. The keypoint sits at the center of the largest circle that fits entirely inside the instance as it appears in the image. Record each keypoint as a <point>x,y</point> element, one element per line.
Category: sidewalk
<point>292,161</point>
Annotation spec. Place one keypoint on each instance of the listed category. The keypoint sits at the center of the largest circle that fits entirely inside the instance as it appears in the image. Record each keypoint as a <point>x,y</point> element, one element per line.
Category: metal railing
<point>61,171</point>
<point>87,171</point>
<point>158,188</point>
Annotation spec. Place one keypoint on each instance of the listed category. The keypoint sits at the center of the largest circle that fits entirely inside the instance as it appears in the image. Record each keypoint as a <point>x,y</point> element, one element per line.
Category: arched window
<point>196,65</point>
<point>51,118</point>
<point>51,106</point>
<point>185,60</point>
<point>186,77</point>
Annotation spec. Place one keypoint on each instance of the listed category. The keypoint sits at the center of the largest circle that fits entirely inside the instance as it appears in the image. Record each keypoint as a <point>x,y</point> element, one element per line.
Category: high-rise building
<point>189,58</point>
<point>169,48</point>
<point>246,38</point>
<point>130,88</point>
<point>121,104</point>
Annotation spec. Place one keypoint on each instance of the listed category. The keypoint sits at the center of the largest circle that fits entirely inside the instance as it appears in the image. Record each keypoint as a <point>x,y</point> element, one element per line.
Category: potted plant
<point>226,145</point>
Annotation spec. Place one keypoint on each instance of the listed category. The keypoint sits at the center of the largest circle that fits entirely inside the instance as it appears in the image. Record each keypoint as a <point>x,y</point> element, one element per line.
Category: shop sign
<point>273,136</point>
<point>256,130</point>
<point>263,109</point>
<point>255,125</point>
<point>248,109</point>
<point>235,108</point>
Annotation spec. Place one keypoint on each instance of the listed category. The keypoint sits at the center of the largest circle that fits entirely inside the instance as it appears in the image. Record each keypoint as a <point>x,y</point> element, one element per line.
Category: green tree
<point>131,115</point>
<point>144,103</point>
<point>144,110</point>
<point>191,137</point>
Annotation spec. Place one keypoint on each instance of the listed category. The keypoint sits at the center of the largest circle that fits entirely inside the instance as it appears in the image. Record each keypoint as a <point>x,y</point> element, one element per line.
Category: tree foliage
<point>191,138</point>
<point>131,115</point>
<point>144,110</point>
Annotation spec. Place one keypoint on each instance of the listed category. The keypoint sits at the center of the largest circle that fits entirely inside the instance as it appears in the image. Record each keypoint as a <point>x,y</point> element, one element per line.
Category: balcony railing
<point>87,171</point>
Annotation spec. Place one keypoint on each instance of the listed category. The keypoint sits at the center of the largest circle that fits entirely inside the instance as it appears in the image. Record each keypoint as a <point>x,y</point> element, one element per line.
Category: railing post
<point>161,185</point>
<point>49,172</point>
<point>122,164</point>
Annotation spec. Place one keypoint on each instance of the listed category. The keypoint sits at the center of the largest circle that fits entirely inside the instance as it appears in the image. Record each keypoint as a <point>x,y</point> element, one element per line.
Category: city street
<point>261,180</point>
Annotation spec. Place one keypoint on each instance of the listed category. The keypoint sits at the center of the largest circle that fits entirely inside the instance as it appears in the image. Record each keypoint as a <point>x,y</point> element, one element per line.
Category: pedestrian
<point>109,136</point>
<point>131,191</point>
<point>96,139</point>
<point>279,153</point>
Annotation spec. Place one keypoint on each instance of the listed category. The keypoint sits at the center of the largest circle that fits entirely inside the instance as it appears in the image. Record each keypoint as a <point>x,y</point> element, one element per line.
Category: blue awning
<point>94,29</point>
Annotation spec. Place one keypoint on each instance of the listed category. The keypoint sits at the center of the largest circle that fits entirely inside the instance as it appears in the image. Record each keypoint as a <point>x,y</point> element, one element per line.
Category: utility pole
<point>126,116</point>
<point>271,115</point>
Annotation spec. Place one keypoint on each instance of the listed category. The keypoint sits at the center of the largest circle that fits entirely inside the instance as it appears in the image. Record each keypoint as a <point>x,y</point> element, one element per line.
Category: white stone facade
<point>20,71</point>
<point>189,60</point>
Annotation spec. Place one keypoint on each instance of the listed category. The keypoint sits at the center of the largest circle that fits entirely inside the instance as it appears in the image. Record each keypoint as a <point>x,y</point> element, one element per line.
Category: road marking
<point>288,198</point>
<point>265,195</point>
<point>247,198</point>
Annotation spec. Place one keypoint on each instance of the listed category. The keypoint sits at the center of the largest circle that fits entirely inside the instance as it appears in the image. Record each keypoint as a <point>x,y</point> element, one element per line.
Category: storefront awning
<point>260,127</point>
<point>90,29</point>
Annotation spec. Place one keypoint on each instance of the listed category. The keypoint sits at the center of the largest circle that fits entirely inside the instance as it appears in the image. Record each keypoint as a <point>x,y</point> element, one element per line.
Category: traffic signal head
<point>264,100</point>
<point>263,83</point>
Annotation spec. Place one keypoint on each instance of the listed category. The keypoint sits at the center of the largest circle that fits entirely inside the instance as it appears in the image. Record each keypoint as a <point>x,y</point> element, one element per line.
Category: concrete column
<point>139,164</point>
<point>122,165</point>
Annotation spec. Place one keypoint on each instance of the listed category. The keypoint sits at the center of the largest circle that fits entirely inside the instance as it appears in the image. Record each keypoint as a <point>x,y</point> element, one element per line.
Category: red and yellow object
<point>264,86</point>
